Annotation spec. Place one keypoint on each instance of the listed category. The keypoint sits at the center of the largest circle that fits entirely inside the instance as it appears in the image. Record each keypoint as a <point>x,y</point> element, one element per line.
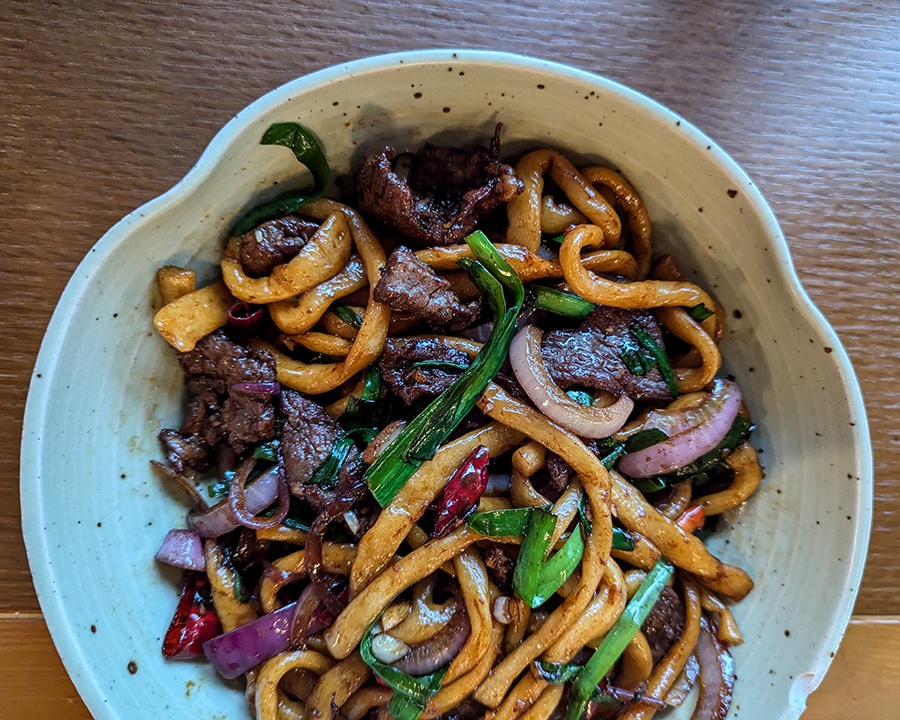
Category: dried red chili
<point>244,316</point>
<point>460,495</point>
<point>692,519</point>
<point>195,620</point>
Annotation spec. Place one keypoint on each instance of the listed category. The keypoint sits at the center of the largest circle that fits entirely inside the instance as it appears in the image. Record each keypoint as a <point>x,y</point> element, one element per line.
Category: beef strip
<point>307,437</point>
<point>591,356</point>
<point>410,383</point>
<point>412,288</point>
<point>215,414</point>
<point>447,190</point>
<point>500,567</point>
<point>665,623</point>
<point>274,242</point>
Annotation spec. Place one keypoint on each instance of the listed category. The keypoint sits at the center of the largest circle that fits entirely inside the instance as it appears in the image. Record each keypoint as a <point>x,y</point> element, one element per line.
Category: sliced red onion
<point>689,411</point>
<point>686,447</point>
<point>237,651</point>
<point>426,657</point>
<point>257,388</point>
<point>716,677</point>
<point>528,366</point>
<point>237,499</point>
<point>684,683</point>
<point>182,549</point>
<point>220,519</point>
<point>498,484</point>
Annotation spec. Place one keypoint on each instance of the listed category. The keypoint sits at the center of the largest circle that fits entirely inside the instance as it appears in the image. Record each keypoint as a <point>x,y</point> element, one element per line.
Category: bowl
<point>93,513</point>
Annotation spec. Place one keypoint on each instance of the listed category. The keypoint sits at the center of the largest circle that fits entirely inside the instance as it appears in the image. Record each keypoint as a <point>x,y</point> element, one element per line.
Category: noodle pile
<point>406,591</point>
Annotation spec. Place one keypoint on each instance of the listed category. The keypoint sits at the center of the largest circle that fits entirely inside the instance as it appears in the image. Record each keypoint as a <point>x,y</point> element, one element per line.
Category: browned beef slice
<point>665,623</point>
<point>410,287</point>
<point>447,192</point>
<point>591,356</point>
<point>408,382</point>
<point>307,437</point>
<point>214,413</point>
<point>500,566</point>
<point>273,243</point>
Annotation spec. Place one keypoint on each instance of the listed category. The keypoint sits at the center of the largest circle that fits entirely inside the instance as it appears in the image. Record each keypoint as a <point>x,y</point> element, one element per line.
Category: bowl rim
<point>54,611</point>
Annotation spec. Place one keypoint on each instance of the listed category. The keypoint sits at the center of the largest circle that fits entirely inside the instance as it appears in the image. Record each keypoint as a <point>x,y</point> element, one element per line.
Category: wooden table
<point>107,105</point>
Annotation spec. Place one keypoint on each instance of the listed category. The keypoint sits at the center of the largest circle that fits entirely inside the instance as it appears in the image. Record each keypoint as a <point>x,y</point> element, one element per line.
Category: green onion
<point>739,431</point>
<point>556,673</point>
<point>559,567</point>
<point>581,397</point>
<point>532,554</point>
<point>536,578</point>
<point>560,303</point>
<point>644,439</point>
<point>609,460</point>
<point>649,485</point>
<point>348,316</point>
<point>219,488</point>
<point>327,473</point>
<point>500,523</point>
<point>411,694</point>
<point>367,414</point>
<point>558,239</point>
<point>700,312</point>
<point>439,365</point>
<point>309,153</point>
<point>613,645</point>
<point>662,360</point>
<point>421,437</point>
<point>267,451</point>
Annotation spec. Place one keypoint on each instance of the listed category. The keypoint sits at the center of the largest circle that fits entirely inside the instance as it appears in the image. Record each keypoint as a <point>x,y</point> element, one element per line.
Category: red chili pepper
<point>460,495</point>
<point>692,519</point>
<point>194,623</point>
<point>244,316</point>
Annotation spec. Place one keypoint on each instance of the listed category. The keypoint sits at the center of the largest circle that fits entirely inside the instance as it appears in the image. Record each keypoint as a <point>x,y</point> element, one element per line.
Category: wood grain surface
<point>107,104</point>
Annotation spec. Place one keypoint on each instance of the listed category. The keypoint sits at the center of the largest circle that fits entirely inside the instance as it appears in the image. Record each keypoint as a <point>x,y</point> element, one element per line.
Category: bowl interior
<point>105,382</point>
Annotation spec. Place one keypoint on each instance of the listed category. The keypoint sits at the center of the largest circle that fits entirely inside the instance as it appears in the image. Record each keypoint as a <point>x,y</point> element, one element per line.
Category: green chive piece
<point>560,303</point>
<point>617,638</point>
<point>327,473</point>
<point>556,673</point>
<point>348,316</point>
<point>533,554</point>
<point>439,365</point>
<point>309,153</point>
<point>662,360</point>
<point>581,397</point>
<point>559,567</point>
<point>700,312</point>
<point>500,523</point>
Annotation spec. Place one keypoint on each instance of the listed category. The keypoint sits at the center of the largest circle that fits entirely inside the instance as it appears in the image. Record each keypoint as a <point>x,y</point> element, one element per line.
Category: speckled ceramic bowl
<point>105,383</point>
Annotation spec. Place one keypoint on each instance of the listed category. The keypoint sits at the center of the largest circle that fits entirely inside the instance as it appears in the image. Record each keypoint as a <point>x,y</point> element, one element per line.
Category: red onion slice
<point>716,677</point>
<point>686,447</point>
<point>244,316</point>
<point>589,422</point>
<point>237,499</point>
<point>220,519</point>
<point>237,651</point>
<point>426,657</point>
<point>182,549</point>
<point>688,411</point>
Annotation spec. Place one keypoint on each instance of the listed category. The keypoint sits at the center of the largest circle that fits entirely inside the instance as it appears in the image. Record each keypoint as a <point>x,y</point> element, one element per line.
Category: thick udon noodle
<point>328,675</point>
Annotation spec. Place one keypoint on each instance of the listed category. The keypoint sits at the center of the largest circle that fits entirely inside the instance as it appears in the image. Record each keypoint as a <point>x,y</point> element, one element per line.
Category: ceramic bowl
<point>105,382</point>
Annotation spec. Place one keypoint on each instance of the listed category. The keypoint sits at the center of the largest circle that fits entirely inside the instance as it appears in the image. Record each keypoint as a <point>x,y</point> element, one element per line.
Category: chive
<point>581,397</point>
<point>439,365</point>
<point>348,316</point>
<point>500,523</point>
<point>558,239</point>
<point>609,460</point>
<point>367,414</point>
<point>560,303</point>
<point>219,488</point>
<point>644,439</point>
<point>411,694</point>
<point>308,151</point>
<point>662,360</point>
<point>559,567</point>
<point>327,473</point>
<point>649,485</point>
<point>267,451</point>
<point>613,645</point>
<point>556,673</point>
<point>739,431</point>
<point>532,554</point>
<point>424,433</point>
<point>700,312</point>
